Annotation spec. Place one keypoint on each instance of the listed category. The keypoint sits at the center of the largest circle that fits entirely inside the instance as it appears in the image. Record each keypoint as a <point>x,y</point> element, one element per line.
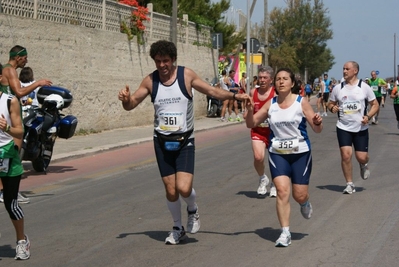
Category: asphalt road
<point>109,209</point>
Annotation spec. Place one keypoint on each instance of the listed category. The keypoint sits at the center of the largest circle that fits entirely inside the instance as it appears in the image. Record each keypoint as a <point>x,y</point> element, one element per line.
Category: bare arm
<point>11,77</point>
<point>129,102</point>
<point>201,86</point>
<point>374,107</point>
<point>252,120</point>
<point>314,119</point>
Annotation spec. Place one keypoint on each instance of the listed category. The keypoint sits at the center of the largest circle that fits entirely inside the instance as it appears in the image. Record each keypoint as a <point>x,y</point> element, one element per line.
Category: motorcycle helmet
<point>56,99</point>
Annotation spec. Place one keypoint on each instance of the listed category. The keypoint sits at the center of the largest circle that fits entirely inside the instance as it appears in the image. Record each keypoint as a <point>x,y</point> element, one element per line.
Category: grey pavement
<point>84,145</point>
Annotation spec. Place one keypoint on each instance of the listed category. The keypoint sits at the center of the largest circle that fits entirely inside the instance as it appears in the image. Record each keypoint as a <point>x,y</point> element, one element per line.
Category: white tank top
<point>5,138</point>
<point>288,128</point>
<point>173,105</point>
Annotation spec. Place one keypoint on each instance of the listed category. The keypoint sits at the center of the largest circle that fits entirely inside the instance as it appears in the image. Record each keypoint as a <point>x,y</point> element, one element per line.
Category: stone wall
<point>95,64</point>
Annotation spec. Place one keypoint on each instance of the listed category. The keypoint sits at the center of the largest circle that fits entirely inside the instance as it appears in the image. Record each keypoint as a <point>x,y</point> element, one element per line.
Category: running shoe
<point>364,171</point>
<point>222,119</point>
<point>284,240</point>
<point>349,189</point>
<point>373,120</point>
<point>238,119</point>
<point>22,199</point>
<point>22,249</point>
<point>262,190</point>
<point>193,222</point>
<point>230,119</point>
<point>175,236</point>
<point>306,210</point>
<point>273,191</point>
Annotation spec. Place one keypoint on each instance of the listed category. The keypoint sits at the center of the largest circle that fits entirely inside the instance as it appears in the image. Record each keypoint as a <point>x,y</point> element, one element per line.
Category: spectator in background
<point>233,87</point>
<point>224,83</point>
<point>254,82</point>
<point>308,90</point>
<point>26,78</point>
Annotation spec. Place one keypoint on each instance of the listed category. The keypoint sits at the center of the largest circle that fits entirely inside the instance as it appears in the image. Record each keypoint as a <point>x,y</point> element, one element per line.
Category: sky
<point>363,31</point>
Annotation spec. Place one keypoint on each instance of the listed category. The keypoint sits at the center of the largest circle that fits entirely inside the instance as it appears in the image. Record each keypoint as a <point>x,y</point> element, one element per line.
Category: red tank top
<point>265,131</point>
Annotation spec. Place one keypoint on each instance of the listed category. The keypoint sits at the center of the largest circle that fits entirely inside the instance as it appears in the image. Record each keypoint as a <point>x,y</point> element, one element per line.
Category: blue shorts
<point>296,166</point>
<point>171,162</point>
<point>359,140</point>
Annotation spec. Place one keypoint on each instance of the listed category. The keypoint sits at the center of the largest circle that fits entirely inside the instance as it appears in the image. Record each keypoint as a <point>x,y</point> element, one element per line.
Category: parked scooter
<point>44,124</point>
<point>214,107</point>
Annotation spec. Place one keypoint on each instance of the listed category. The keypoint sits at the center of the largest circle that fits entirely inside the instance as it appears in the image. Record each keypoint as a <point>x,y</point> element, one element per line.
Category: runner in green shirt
<point>376,84</point>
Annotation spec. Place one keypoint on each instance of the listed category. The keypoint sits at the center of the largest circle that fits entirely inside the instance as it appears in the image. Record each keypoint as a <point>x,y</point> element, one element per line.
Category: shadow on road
<point>337,188</point>
<point>7,251</point>
<point>158,236</point>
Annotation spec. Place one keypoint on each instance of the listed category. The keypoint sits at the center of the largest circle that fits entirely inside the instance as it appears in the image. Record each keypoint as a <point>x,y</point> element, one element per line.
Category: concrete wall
<point>95,64</point>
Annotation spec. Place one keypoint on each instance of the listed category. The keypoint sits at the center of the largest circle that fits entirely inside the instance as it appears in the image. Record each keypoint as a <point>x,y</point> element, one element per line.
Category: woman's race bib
<point>285,146</point>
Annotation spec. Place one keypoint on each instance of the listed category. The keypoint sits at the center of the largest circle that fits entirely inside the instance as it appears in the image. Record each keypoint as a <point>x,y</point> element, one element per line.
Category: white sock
<point>191,205</point>
<point>264,178</point>
<point>175,210</point>
<point>285,229</point>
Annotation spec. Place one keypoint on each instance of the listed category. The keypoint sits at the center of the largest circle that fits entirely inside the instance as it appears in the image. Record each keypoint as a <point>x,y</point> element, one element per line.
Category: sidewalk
<point>80,146</point>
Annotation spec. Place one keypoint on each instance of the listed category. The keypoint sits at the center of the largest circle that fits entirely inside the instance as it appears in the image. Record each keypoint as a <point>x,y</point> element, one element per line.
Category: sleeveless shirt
<point>174,107</point>
<point>288,125</point>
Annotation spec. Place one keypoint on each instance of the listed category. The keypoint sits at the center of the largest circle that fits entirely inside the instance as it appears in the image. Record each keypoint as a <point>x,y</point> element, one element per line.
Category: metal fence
<point>106,15</point>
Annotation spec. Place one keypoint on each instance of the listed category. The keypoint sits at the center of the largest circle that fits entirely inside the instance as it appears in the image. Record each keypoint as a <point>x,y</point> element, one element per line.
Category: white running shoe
<point>22,199</point>
<point>175,236</point>
<point>262,190</point>
<point>306,210</point>
<point>273,191</point>
<point>349,189</point>
<point>22,249</point>
<point>284,240</point>
<point>364,171</point>
<point>193,222</point>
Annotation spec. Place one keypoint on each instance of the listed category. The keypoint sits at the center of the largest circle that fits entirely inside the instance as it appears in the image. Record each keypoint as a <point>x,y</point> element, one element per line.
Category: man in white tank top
<point>170,90</point>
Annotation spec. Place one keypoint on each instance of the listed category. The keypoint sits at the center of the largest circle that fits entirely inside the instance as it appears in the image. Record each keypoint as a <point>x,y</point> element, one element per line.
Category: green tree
<point>298,36</point>
<point>203,13</point>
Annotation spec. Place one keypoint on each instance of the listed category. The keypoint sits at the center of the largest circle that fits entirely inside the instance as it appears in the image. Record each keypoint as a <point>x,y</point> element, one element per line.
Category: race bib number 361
<point>171,121</point>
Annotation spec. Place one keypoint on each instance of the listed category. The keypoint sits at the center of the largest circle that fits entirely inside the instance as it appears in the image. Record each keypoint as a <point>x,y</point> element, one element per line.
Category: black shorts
<point>359,140</point>
<point>325,97</point>
<point>171,162</point>
<point>379,99</point>
<point>296,166</point>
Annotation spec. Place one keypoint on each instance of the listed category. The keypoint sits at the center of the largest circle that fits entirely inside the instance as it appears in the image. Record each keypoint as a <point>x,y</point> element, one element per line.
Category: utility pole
<point>174,23</point>
<point>248,26</point>
<point>394,59</point>
<point>266,25</point>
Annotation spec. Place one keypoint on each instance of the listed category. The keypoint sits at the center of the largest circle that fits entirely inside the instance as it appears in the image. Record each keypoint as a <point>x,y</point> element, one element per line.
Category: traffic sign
<point>217,40</point>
